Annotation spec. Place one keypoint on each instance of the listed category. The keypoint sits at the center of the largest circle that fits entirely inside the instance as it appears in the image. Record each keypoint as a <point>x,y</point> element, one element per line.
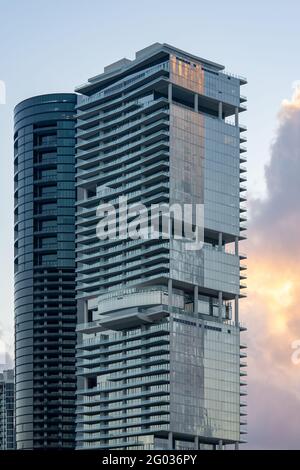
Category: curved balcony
<point>126,129</point>
<point>125,83</point>
<point>129,96</point>
<point>116,175</point>
<point>105,123</point>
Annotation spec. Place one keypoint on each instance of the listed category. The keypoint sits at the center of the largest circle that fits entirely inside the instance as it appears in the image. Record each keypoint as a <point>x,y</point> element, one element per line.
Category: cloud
<point>6,350</point>
<point>276,425</point>
<point>272,310</point>
<point>279,216</point>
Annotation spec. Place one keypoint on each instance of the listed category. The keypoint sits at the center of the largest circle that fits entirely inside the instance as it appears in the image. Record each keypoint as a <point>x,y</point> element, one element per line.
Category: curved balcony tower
<point>45,306</point>
<point>158,353</point>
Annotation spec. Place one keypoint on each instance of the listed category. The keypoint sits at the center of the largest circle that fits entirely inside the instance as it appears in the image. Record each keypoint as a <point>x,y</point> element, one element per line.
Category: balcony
<point>103,121</point>
<point>126,129</point>
<point>124,84</point>
<point>108,386</point>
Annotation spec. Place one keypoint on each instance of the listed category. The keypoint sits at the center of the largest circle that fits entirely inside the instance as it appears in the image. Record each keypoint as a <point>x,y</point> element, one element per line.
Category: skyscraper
<point>45,306</point>
<point>7,401</point>
<point>159,348</point>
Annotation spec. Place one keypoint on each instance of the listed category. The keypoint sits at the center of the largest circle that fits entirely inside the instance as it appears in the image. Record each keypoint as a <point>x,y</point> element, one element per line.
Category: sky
<point>54,46</point>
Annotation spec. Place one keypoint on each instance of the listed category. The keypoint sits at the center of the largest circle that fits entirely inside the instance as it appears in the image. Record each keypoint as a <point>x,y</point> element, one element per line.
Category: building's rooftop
<point>148,54</point>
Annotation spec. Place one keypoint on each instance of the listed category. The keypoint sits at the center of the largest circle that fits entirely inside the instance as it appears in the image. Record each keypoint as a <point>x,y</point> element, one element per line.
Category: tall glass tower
<point>159,354</point>
<point>45,306</point>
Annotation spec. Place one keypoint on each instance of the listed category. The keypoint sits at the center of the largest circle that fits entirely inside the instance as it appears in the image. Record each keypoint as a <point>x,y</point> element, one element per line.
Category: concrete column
<point>85,193</point>
<point>196,292</point>
<point>196,102</point>
<point>85,311</point>
<point>85,382</point>
<point>220,305</point>
<point>170,92</point>
<point>220,110</point>
<point>170,290</point>
<point>220,241</point>
<point>236,446</point>
<point>237,117</point>
<point>236,246</point>
<point>220,445</point>
<point>196,440</point>
<point>171,440</point>
<point>236,310</point>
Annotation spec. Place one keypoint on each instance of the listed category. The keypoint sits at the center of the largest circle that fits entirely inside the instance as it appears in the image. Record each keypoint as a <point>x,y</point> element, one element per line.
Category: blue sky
<point>54,46</point>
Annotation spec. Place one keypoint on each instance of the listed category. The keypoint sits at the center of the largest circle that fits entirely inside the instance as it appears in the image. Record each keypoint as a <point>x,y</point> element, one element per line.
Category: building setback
<point>45,306</point>
<point>7,418</point>
<point>159,352</point>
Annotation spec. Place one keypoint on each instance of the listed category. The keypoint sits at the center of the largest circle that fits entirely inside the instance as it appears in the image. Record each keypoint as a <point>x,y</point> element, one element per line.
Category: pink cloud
<point>272,310</point>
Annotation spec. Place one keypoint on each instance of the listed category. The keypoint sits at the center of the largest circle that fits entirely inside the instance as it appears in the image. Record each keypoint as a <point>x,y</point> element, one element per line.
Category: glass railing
<point>133,421</point>
<point>115,370</point>
<point>103,191</point>
<point>140,107</point>
<point>117,161</point>
<point>120,258</point>
<point>120,337</point>
<point>106,386</point>
<point>97,114</point>
<point>129,273</point>
<point>120,129</point>
<point>119,396</point>
<point>123,84</point>
<point>129,351</point>
<point>90,115</point>
<point>126,265</point>
<point>118,142</point>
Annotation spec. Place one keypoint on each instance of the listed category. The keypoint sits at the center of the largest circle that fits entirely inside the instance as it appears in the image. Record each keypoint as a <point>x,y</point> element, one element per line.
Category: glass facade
<point>45,306</point>
<point>7,410</point>
<point>205,385</point>
<point>159,349</point>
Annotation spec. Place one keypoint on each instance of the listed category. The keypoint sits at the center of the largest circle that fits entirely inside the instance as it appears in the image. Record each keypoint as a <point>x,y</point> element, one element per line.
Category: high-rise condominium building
<point>159,348</point>
<point>7,402</point>
<point>45,305</point>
